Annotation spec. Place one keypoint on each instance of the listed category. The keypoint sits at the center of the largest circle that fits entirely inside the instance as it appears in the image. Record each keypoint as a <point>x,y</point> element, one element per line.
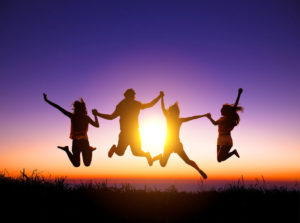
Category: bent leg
<point>73,157</point>
<point>190,162</point>
<point>158,157</point>
<point>121,147</point>
<point>224,153</point>
<point>76,149</point>
<point>87,157</point>
<point>136,149</point>
<point>164,159</point>
<point>139,152</point>
<point>86,153</point>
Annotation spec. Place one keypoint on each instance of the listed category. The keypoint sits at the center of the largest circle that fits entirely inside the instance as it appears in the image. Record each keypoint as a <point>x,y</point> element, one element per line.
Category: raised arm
<point>153,102</point>
<point>69,114</point>
<point>192,118</point>
<point>114,115</point>
<point>163,108</point>
<point>208,115</point>
<point>238,97</point>
<point>94,123</point>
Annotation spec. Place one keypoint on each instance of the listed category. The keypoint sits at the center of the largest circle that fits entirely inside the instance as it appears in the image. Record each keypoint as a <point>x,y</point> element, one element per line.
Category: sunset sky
<point>198,52</point>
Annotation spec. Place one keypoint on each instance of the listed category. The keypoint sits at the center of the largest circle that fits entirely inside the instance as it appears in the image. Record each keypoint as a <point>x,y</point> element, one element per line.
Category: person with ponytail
<point>173,144</point>
<point>79,128</point>
<point>230,118</point>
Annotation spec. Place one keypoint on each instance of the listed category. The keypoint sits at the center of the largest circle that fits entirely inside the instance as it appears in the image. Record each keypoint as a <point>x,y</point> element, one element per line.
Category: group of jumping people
<point>128,110</point>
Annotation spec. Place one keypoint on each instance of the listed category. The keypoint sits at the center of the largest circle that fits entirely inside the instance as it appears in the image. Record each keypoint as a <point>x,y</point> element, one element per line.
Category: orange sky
<point>263,156</point>
<point>197,53</point>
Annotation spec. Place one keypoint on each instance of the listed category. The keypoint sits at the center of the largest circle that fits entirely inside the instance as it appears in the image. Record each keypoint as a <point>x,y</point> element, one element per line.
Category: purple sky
<point>198,52</point>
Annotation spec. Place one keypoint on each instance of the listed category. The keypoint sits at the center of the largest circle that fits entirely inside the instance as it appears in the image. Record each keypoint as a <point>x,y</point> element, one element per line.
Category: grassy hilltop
<point>36,199</point>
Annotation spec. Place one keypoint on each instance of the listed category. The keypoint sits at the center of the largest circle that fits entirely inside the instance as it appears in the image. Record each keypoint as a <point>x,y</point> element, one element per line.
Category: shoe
<point>64,148</point>
<point>203,175</point>
<point>111,151</point>
<point>236,153</point>
<point>92,148</point>
<point>149,158</point>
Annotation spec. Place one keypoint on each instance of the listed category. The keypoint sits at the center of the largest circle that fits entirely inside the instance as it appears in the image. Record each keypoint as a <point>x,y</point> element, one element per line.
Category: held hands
<point>161,94</point>
<point>208,115</point>
<point>45,96</point>
<point>95,112</point>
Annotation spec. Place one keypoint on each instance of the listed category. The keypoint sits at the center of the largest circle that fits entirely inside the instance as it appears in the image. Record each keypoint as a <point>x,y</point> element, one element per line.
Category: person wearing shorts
<point>173,144</point>
<point>79,128</point>
<point>226,124</point>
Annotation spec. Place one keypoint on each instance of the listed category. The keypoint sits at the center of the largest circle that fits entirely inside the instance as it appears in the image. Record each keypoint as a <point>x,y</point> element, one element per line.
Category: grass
<point>37,199</point>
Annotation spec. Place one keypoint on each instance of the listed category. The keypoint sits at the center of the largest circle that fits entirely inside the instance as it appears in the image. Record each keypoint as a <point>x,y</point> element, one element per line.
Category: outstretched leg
<point>224,154</point>
<point>190,162</point>
<point>74,158</point>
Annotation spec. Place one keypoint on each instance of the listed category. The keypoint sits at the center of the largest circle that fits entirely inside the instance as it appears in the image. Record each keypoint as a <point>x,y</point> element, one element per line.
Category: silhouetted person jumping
<point>226,123</point>
<point>128,110</point>
<point>79,128</point>
<point>173,144</point>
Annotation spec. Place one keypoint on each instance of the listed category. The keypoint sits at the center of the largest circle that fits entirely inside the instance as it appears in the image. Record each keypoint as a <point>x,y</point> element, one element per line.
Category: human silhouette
<point>173,144</point>
<point>79,128</point>
<point>128,110</point>
<point>226,123</point>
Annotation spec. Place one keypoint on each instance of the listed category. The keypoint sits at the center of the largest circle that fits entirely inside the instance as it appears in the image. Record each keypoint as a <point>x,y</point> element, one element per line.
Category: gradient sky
<point>198,52</point>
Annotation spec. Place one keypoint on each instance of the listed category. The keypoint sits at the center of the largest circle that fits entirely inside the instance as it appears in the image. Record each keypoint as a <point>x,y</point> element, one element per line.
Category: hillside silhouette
<point>36,199</point>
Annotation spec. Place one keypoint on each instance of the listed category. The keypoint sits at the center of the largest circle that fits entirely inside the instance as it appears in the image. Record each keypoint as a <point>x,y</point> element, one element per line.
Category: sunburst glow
<point>153,134</point>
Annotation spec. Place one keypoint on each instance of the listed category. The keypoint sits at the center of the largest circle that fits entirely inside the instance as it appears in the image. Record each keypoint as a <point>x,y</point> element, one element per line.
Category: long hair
<point>174,110</point>
<point>79,107</point>
<point>231,112</point>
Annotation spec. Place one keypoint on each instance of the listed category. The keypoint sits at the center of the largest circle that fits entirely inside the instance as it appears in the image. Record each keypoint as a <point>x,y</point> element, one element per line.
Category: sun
<point>153,134</point>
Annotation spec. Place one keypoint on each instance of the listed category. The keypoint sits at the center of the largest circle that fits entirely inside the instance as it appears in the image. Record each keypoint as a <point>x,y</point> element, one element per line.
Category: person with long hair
<point>230,118</point>
<point>79,128</point>
<point>173,144</point>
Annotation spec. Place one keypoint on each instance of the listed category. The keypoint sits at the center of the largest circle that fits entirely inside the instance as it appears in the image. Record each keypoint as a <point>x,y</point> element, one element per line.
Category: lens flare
<point>153,134</point>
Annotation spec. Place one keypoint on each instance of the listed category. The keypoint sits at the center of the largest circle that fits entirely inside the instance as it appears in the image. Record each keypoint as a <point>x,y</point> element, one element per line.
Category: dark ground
<point>34,199</point>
